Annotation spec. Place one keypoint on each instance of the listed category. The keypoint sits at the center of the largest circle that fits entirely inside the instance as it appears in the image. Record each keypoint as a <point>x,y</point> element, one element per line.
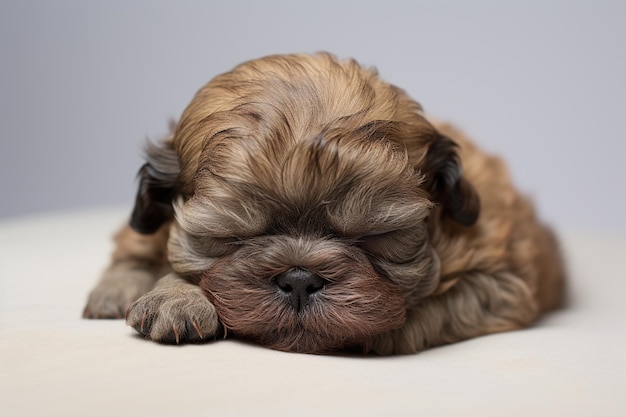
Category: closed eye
<point>376,233</point>
<point>396,246</point>
<point>213,247</point>
<point>374,239</point>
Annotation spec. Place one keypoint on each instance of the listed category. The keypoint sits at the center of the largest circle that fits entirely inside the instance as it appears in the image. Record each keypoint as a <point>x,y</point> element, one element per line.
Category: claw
<point>176,334</point>
<point>195,326</point>
<point>143,320</point>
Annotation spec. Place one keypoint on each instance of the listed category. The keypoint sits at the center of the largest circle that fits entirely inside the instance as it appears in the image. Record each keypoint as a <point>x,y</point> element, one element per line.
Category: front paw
<point>174,315</point>
<point>117,290</point>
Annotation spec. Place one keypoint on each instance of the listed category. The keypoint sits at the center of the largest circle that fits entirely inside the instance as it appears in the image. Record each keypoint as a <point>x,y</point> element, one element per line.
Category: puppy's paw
<point>175,315</point>
<point>115,293</point>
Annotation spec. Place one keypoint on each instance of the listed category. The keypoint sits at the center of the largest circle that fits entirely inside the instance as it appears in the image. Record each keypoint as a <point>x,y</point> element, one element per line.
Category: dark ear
<point>446,183</point>
<point>158,186</point>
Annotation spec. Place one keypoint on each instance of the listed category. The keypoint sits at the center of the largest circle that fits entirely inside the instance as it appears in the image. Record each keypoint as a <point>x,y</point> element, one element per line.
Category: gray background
<point>84,83</point>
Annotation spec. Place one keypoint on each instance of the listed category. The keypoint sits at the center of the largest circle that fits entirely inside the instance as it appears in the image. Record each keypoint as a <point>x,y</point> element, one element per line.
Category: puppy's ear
<point>158,186</point>
<point>446,184</point>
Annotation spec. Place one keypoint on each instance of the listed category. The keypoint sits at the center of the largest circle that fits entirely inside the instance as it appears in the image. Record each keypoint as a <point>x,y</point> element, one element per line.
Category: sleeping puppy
<point>305,204</point>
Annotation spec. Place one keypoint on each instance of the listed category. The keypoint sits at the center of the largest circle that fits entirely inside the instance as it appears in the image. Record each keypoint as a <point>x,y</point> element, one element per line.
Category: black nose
<point>299,284</point>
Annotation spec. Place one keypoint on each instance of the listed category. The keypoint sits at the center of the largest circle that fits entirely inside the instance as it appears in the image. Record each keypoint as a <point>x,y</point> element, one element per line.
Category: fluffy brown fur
<point>307,163</point>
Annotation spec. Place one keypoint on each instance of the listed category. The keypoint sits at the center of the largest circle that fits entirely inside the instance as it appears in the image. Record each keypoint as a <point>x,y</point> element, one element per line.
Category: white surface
<point>541,82</point>
<point>54,363</point>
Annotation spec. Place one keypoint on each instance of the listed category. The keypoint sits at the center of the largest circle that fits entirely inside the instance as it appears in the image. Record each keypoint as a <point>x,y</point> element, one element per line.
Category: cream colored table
<point>53,363</point>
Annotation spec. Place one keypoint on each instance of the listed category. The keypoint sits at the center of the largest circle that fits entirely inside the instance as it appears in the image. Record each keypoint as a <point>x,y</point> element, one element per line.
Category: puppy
<point>305,204</point>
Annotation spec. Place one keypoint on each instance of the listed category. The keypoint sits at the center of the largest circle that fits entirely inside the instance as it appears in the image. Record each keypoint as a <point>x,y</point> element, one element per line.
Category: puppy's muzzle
<point>299,285</point>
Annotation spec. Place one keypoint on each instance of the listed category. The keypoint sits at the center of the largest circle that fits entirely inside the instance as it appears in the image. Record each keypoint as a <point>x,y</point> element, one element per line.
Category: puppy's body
<point>303,169</point>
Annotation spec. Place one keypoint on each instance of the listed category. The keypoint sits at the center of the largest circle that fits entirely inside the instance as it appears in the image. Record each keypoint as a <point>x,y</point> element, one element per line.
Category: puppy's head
<point>303,190</point>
